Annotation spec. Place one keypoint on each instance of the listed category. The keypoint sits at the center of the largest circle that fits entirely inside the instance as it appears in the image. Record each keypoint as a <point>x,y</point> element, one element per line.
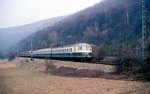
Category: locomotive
<point>80,51</point>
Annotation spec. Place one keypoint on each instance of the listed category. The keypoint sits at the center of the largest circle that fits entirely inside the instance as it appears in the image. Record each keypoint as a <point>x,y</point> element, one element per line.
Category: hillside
<point>111,25</point>
<point>12,35</point>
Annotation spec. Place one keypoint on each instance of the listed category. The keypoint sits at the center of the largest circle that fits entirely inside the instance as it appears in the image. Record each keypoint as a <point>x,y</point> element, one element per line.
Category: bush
<point>99,52</point>
<point>11,56</point>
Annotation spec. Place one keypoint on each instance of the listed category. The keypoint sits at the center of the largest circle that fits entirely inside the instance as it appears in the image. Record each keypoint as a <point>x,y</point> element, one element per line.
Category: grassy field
<point>26,81</point>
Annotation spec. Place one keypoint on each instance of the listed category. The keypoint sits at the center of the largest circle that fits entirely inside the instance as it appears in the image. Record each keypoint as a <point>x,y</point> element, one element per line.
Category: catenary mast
<point>144,41</point>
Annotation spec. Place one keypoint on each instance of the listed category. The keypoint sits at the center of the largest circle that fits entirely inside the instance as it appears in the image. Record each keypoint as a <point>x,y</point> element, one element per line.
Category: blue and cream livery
<point>81,51</point>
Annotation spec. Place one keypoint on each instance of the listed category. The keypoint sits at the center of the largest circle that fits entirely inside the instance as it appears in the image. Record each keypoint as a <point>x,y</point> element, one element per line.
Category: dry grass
<point>18,81</point>
<point>3,66</point>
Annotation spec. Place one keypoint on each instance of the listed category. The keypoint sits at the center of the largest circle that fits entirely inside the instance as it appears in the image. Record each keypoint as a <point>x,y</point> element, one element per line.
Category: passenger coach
<point>81,51</point>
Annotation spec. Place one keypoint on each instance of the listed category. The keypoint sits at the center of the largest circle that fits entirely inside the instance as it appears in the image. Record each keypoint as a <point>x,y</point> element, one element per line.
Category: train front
<point>86,51</point>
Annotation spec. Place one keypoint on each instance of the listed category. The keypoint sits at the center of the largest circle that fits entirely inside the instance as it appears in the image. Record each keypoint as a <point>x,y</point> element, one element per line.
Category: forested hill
<point>110,23</point>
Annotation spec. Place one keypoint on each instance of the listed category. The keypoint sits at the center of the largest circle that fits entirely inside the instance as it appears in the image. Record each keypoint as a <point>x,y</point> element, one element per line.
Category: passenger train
<point>81,51</point>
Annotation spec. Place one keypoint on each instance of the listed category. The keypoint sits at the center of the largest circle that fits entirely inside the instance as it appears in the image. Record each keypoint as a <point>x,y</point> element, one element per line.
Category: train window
<point>79,47</point>
<point>71,50</point>
<point>65,50</point>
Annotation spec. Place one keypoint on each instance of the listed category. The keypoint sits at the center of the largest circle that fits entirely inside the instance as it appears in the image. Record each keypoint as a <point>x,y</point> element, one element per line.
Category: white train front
<point>81,51</point>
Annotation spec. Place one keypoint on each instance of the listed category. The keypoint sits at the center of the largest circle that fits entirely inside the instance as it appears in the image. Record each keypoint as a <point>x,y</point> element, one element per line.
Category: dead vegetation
<point>81,70</point>
<point>27,80</point>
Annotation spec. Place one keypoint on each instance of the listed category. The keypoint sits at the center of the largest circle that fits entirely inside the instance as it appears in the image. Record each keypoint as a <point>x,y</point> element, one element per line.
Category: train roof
<point>78,44</point>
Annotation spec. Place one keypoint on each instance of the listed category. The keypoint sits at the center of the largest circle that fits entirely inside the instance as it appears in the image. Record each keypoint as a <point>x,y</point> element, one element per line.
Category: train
<point>80,51</point>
